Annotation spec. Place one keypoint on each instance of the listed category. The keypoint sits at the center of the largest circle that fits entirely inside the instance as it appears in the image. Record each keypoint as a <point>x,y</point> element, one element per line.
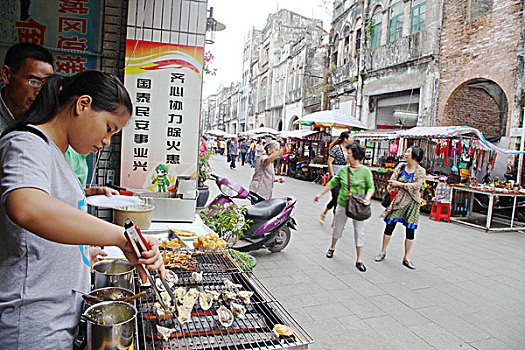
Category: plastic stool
<point>438,211</point>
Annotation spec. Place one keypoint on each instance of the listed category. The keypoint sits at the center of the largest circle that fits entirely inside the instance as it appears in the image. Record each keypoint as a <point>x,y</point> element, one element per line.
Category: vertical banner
<point>164,77</point>
<point>70,29</point>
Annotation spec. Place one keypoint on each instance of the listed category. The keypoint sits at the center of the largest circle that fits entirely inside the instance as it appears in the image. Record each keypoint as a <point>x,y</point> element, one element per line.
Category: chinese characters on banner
<point>165,82</point>
<point>61,24</point>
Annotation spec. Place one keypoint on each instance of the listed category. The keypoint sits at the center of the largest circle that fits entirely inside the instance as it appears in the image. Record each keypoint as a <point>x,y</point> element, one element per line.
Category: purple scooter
<point>271,219</point>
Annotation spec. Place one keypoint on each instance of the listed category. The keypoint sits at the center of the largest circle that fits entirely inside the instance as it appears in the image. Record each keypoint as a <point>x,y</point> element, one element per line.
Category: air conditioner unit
<point>406,118</point>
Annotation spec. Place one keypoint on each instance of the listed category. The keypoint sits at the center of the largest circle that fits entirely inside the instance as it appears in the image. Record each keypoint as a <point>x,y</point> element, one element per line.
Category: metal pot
<point>113,273</point>
<point>110,294</point>
<point>110,325</point>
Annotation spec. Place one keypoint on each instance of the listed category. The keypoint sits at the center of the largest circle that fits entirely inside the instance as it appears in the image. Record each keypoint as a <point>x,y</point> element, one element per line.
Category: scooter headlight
<point>228,191</point>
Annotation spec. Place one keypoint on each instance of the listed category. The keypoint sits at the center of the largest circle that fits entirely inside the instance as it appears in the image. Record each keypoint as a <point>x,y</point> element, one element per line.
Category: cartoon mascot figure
<point>161,179</point>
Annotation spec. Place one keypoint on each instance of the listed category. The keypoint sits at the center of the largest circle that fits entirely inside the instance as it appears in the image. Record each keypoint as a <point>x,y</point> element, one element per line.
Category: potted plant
<point>228,221</point>
<point>203,172</point>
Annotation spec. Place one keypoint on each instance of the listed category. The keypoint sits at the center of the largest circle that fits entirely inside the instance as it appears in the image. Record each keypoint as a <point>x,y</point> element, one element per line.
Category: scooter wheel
<point>284,234</point>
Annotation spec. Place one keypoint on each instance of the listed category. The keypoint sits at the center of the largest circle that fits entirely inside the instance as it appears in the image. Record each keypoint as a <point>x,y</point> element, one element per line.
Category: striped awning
<point>297,134</point>
<point>440,132</point>
<point>374,135</point>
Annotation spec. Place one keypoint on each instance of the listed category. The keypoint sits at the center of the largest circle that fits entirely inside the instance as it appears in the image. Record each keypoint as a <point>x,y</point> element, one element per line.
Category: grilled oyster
<point>205,300</point>
<point>183,314</point>
<point>230,285</point>
<point>225,316</point>
<point>238,310</point>
<point>197,277</point>
<point>245,296</point>
<point>166,298</point>
<point>159,285</point>
<point>171,277</point>
<point>194,293</point>
<point>215,295</point>
<point>179,293</point>
<point>227,295</point>
<point>188,302</point>
<point>165,332</point>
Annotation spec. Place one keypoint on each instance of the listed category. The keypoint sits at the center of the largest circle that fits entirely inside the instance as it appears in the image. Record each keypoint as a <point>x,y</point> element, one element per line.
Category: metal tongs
<point>139,245</point>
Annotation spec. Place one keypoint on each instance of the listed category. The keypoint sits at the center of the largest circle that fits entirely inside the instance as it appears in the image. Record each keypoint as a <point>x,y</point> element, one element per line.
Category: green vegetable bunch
<point>227,221</point>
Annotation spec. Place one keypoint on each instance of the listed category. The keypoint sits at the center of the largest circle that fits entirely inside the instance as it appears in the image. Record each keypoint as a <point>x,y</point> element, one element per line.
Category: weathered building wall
<point>480,44</point>
<point>475,106</point>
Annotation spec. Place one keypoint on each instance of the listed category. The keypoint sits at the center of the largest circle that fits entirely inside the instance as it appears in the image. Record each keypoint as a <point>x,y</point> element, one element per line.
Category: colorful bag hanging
<point>393,148</point>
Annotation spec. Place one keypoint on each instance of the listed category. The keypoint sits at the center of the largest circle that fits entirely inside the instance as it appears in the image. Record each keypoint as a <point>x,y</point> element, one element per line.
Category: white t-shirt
<point>38,309</point>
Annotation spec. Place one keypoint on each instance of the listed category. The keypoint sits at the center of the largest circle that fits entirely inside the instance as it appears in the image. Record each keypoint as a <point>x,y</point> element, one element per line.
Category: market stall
<point>210,301</point>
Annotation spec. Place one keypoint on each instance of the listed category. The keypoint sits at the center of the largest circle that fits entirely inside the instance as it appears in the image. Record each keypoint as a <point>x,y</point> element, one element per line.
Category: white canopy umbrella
<point>262,130</point>
<point>331,119</point>
<point>216,132</point>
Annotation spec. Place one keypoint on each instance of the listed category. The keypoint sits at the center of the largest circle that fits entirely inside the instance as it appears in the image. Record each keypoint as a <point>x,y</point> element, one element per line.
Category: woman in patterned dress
<point>336,160</point>
<point>407,181</point>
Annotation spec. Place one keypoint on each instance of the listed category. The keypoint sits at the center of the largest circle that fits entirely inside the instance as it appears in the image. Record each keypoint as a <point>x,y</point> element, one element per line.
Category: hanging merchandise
<point>393,148</point>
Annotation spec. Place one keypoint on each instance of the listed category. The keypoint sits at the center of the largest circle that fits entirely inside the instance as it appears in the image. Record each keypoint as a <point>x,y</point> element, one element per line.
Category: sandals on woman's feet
<point>380,257</point>
<point>409,264</point>
<point>323,216</point>
<point>330,253</point>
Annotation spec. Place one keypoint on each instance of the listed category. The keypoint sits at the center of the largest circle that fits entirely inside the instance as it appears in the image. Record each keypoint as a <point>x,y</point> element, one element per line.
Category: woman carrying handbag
<point>407,182</point>
<point>361,185</point>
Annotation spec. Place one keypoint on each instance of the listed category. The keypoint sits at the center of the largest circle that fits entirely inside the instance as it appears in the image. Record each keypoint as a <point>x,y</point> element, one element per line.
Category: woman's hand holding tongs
<point>151,259</point>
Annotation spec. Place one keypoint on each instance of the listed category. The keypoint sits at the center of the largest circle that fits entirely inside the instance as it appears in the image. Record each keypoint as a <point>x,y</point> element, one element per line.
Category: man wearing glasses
<point>26,67</point>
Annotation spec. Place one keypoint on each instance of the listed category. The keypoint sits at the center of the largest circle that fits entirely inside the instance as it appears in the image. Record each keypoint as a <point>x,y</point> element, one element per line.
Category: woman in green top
<point>361,181</point>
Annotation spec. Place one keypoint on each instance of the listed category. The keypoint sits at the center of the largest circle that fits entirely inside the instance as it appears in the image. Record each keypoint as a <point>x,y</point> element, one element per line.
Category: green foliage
<point>203,165</point>
<point>227,221</point>
<point>352,79</point>
<point>245,261</point>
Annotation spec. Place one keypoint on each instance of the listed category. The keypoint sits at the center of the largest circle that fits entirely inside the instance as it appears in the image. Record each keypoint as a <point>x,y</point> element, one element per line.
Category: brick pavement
<point>465,293</point>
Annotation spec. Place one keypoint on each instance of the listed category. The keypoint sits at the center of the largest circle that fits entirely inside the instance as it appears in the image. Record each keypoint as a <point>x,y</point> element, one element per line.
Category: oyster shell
<point>225,316</point>
<point>205,300</point>
<point>166,298</point>
<point>165,332</point>
<point>197,277</point>
<point>245,296</point>
<point>188,302</point>
<point>183,314</point>
<point>230,285</point>
<point>194,293</point>
<point>238,310</point>
<point>171,277</point>
<point>214,294</point>
<point>159,285</point>
<point>227,295</point>
<point>179,293</point>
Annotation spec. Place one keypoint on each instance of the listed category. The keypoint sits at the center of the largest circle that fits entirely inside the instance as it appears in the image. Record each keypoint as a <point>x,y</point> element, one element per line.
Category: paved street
<point>467,291</point>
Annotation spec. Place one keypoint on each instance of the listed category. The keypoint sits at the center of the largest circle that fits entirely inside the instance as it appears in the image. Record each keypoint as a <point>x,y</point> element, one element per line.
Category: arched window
<point>346,52</point>
<point>395,21</point>
<point>418,14</point>
<point>375,35</point>
<point>335,50</point>
<point>357,36</point>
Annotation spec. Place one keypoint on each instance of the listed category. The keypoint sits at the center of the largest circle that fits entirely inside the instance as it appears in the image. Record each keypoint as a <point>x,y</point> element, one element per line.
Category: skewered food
<point>179,259</point>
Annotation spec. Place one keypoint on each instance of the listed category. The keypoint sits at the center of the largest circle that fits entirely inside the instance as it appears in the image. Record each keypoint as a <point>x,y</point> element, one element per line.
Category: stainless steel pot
<point>110,325</point>
<point>113,273</point>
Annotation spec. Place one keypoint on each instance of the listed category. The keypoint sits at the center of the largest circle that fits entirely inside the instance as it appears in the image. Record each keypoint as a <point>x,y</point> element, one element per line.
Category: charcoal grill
<point>203,331</point>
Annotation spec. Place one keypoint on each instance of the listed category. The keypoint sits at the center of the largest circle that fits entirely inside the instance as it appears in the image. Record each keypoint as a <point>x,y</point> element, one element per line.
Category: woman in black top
<point>336,160</point>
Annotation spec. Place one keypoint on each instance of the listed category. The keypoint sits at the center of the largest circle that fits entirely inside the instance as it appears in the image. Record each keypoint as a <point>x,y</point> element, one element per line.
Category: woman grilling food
<point>45,231</point>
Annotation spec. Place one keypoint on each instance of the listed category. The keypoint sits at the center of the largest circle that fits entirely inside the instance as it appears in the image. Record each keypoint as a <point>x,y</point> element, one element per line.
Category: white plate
<point>115,201</point>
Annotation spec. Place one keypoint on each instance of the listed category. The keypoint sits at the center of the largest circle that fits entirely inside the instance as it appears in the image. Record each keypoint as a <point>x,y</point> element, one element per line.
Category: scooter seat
<point>265,209</point>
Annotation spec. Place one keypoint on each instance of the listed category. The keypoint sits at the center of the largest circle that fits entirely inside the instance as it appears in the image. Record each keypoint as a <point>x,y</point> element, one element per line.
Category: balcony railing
<point>294,95</point>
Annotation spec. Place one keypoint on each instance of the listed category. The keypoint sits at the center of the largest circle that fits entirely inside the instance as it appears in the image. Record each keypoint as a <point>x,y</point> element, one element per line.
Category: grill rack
<point>254,331</point>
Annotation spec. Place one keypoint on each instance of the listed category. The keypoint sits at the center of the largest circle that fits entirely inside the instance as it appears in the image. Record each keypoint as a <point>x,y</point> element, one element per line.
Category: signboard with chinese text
<point>164,77</point>
<point>57,25</point>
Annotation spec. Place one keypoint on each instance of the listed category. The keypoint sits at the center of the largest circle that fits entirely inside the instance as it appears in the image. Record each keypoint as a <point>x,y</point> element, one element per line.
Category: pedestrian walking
<point>251,153</point>
<point>264,175</point>
<point>259,150</point>
<point>222,145</point>
<point>244,146</point>
<point>361,182</point>
<point>228,151</point>
<point>45,229</point>
<point>407,181</point>
<point>234,150</point>
<point>336,160</point>
<point>285,159</point>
